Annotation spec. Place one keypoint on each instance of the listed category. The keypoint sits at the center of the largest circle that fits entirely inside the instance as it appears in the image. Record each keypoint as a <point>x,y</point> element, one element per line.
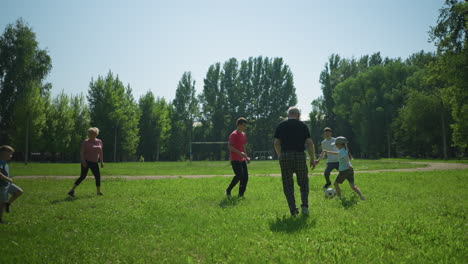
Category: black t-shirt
<point>293,134</point>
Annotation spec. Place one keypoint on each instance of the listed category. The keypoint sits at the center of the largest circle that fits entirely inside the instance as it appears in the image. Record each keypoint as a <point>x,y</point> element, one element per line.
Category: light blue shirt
<point>327,145</point>
<point>343,160</point>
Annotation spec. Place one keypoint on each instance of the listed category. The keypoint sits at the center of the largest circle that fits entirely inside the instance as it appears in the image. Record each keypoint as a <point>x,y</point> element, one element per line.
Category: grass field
<point>188,168</point>
<point>408,217</point>
<point>462,160</point>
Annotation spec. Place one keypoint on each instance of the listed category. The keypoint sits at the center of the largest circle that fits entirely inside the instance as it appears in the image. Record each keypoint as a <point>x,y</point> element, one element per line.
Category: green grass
<point>409,217</point>
<point>461,160</point>
<point>187,168</point>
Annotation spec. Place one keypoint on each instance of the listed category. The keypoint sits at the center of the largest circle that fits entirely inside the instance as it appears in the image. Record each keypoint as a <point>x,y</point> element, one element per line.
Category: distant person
<point>345,167</point>
<point>332,160</point>
<point>6,183</point>
<point>291,136</point>
<point>91,154</point>
<point>238,158</point>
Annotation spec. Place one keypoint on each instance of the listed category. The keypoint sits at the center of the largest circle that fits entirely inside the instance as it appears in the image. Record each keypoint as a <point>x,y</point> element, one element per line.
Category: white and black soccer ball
<point>330,193</point>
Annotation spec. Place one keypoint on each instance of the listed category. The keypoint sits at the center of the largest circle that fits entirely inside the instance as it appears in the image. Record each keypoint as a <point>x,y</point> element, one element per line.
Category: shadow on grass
<point>226,203</point>
<point>290,224</point>
<point>348,203</point>
<point>71,199</point>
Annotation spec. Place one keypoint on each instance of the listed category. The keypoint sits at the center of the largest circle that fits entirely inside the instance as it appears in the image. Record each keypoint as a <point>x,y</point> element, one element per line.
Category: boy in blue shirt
<point>6,183</point>
<point>345,167</point>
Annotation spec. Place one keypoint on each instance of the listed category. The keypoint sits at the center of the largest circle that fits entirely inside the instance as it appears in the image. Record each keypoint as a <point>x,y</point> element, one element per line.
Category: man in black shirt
<point>291,136</point>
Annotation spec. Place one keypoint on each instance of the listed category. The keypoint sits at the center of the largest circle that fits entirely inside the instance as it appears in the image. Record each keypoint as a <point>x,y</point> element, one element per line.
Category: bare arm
<point>322,154</point>
<point>5,178</point>
<point>311,149</point>
<point>83,161</point>
<point>277,145</point>
<point>101,155</point>
<point>233,149</point>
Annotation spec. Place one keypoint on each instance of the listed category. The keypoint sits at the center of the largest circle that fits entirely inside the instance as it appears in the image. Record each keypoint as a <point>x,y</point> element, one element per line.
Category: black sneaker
<point>7,207</point>
<point>305,210</point>
<point>71,193</point>
<point>294,212</point>
<point>99,193</point>
<point>328,184</point>
<point>228,195</point>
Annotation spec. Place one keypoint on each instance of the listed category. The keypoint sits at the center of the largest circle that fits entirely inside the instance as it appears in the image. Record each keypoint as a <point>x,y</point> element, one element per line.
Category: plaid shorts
<point>290,163</point>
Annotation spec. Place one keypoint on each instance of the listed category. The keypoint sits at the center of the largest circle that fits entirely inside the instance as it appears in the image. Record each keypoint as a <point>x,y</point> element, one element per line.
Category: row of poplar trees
<point>416,107</point>
<point>386,107</point>
<point>43,127</point>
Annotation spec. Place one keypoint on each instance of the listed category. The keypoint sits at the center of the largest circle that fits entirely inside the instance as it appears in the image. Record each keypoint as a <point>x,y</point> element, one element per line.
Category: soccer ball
<point>330,193</point>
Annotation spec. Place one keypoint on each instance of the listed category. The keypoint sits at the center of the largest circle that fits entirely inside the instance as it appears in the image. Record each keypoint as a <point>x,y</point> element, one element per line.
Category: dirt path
<point>428,167</point>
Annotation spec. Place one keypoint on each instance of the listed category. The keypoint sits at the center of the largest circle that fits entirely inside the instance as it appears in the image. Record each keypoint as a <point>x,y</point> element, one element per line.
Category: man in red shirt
<point>238,158</point>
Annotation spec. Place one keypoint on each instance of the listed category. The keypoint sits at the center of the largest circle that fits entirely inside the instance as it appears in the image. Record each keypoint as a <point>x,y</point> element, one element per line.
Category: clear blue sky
<point>150,44</point>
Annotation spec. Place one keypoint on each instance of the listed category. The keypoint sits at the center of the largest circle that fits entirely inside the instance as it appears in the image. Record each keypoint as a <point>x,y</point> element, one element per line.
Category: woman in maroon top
<point>91,154</point>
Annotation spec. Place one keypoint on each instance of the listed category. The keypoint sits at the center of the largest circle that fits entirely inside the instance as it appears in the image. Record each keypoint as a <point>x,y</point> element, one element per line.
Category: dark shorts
<point>345,175</point>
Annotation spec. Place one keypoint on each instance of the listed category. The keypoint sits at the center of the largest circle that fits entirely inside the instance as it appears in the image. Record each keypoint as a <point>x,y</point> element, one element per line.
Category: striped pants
<point>290,163</point>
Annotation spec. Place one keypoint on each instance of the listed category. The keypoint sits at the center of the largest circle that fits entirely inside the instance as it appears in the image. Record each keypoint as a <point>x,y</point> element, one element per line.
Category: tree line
<point>387,107</point>
<point>260,89</point>
<point>392,107</point>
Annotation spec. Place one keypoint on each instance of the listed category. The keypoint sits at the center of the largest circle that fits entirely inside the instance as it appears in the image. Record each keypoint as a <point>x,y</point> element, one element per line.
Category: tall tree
<point>370,101</point>
<point>154,126</point>
<point>23,69</point>
<point>451,37</point>
<point>421,88</point>
<point>260,89</point>
<point>247,81</point>
<point>235,101</point>
<point>114,111</point>
<point>317,121</point>
<point>276,94</point>
<point>213,103</point>
<point>214,113</point>
<point>163,128</point>
<point>450,33</point>
<point>418,135</point>
<point>81,122</point>
<point>28,119</point>
<point>256,69</point>
<point>185,107</point>
<point>328,80</point>
<point>60,126</point>
<point>147,127</point>
<point>337,70</point>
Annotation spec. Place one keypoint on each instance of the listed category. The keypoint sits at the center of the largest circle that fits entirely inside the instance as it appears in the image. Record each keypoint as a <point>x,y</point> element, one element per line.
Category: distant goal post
<point>204,143</point>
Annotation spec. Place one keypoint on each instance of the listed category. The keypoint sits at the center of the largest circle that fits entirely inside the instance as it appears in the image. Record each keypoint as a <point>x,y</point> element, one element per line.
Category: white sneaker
<point>305,210</point>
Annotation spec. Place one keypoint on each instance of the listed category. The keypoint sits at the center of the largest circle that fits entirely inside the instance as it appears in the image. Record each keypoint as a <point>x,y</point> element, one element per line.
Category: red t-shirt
<point>237,140</point>
<point>92,149</point>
